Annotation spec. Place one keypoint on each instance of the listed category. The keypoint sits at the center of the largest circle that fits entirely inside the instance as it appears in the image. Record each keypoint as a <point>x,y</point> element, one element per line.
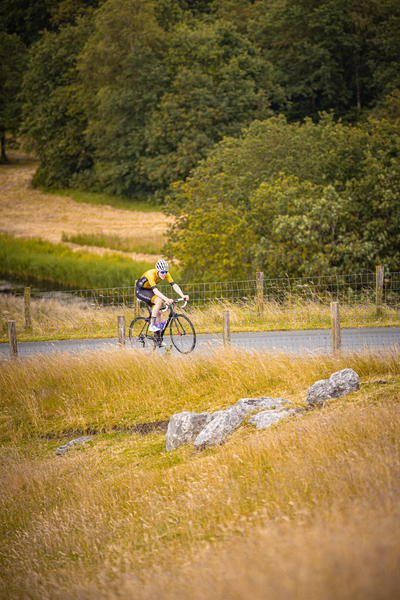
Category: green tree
<point>308,199</point>
<point>327,152</point>
<point>68,12</point>
<point>328,54</point>
<point>53,122</point>
<point>211,237</point>
<point>29,18</point>
<point>12,64</point>
<point>384,56</point>
<point>26,18</point>
<point>122,78</point>
<point>218,84</point>
<point>302,229</point>
<point>375,197</point>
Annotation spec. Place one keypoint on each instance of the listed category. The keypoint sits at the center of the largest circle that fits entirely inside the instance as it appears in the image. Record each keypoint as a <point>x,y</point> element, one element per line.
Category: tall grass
<point>306,509</point>
<point>295,314</point>
<point>141,244</point>
<point>107,389</point>
<point>55,318</point>
<point>52,319</point>
<point>35,259</point>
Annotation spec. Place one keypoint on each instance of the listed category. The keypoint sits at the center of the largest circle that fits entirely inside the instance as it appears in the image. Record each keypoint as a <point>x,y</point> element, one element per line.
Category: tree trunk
<point>358,90</point>
<point>3,158</point>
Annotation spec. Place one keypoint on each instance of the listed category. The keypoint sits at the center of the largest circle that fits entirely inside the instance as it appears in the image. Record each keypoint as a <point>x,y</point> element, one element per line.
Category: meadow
<point>36,259</point>
<point>95,223</point>
<point>308,508</point>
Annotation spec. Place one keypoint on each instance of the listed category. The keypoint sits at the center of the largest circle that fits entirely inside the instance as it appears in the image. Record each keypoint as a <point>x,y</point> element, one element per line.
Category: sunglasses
<point>164,272</point>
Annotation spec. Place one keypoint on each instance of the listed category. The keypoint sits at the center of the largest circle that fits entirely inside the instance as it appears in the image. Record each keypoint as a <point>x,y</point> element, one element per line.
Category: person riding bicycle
<point>146,290</point>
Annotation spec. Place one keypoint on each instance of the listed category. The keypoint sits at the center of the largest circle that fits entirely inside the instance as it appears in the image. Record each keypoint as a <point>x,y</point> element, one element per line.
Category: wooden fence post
<point>136,302</point>
<point>121,330</point>
<point>227,328</point>
<point>27,302</point>
<point>380,272</point>
<point>260,291</point>
<point>335,323</point>
<point>12,336</point>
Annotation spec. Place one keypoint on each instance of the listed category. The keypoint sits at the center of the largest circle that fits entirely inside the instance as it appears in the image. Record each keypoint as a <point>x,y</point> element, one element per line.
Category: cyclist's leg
<point>146,296</point>
<point>157,303</point>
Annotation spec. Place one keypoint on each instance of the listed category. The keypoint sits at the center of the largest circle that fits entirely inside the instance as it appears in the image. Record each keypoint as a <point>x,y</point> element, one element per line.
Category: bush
<point>292,199</point>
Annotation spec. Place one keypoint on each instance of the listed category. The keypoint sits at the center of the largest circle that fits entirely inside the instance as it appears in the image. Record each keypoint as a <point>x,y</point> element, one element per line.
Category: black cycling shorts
<point>145,295</point>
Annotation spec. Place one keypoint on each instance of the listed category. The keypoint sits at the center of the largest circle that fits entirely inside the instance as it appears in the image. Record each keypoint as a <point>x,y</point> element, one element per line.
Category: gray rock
<point>251,405</point>
<point>216,414</point>
<point>63,449</point>
<point>183,428</point>
<point>339,384</point>
<point>220,427</point>
<point>266,418</point>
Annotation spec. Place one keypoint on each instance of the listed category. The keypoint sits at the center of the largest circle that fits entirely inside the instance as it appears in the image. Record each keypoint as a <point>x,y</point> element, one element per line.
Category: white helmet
<point>162,265</point>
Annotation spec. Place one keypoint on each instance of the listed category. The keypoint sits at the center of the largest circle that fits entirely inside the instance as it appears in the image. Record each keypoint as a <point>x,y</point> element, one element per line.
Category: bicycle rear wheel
<point>138,335</point>
<point>183,335</point>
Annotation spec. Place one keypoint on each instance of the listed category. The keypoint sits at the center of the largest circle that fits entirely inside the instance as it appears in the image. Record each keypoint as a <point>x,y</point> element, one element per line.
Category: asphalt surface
<point>297,342</point>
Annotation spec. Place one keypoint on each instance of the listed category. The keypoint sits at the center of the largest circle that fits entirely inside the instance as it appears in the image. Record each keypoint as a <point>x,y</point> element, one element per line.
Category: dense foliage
<point>132,97</point>
<point>12,65</point>
<point>292,199</point>
<point>53,123</point>
<point>152,85</point>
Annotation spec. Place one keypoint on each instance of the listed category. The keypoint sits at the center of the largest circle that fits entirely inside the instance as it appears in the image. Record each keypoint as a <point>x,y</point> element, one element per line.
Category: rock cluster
<point>212,429</point>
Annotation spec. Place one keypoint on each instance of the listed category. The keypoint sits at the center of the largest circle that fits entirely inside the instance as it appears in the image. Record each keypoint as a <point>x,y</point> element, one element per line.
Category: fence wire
<point>263,305</point>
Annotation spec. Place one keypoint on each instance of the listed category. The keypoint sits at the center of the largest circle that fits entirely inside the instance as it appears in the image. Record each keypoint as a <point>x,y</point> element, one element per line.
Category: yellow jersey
<point>150,279</point>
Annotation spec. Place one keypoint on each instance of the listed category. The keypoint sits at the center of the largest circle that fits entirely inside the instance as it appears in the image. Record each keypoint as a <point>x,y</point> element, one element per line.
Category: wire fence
<point>286,304</point>
<point>355,288</point>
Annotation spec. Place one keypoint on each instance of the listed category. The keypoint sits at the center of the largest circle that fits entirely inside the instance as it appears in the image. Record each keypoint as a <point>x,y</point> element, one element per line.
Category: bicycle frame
<point>159,335</point>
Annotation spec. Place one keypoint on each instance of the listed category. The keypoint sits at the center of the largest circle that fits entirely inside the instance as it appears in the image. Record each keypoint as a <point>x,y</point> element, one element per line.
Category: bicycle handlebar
<point>174,302</point>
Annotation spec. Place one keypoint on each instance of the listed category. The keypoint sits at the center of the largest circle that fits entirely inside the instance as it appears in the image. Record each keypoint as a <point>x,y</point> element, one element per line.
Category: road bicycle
<point>181,330</point>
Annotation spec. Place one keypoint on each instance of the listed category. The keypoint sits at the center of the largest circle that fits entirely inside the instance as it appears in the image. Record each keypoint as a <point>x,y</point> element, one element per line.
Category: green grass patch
<point>139,205</point>
<point>35,259</point>
<point>103,240</point>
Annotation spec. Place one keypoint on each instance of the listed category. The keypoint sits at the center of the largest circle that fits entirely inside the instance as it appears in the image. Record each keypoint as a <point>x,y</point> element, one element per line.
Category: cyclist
<point>146,290</point>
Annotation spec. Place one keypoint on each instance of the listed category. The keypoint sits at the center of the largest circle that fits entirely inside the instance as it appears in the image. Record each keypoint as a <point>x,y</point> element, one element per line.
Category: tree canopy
<point>160,82</point>
<point>292,199</point>
<point>275,123</point>
<point>12,65</point>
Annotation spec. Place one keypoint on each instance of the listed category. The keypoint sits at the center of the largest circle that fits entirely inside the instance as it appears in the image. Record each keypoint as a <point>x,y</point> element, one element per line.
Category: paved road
<point>292,341</point>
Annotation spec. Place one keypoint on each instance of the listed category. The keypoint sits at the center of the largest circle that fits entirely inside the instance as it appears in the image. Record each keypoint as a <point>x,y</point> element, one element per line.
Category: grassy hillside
<point>35,259</point>
<point>84,218</point>
<point>306,509</point>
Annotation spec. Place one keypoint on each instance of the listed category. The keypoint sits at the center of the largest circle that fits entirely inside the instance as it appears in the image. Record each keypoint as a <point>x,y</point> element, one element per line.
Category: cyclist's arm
<point>179,291</point>
<point>157,292</point>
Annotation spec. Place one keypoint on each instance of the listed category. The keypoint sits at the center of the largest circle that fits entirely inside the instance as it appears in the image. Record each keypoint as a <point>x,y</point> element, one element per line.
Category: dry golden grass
<point>54,319</point>
<point>306,509</point>
<point>25,212</point>
<point>50,394</point>
<point>293,315</point>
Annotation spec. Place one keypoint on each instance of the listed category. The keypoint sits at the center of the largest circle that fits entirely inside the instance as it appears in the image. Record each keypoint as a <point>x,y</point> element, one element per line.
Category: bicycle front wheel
<point>183,335</point>
<point>138,335</point>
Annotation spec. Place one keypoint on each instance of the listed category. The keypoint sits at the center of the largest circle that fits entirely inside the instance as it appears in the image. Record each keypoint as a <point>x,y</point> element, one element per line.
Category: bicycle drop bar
<point>174,302</point>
